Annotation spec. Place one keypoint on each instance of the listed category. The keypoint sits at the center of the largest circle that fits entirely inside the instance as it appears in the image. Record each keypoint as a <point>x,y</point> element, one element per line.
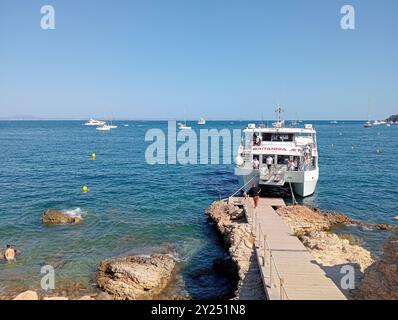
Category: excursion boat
<point>279,156</point>
<point>93,122</point>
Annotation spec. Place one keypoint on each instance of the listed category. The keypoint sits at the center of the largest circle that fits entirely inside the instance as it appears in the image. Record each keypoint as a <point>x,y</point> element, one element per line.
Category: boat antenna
<point>279,110</point>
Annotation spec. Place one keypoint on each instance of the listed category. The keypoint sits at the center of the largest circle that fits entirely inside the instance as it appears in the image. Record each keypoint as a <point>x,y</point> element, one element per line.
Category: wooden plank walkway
<point>288,269</point>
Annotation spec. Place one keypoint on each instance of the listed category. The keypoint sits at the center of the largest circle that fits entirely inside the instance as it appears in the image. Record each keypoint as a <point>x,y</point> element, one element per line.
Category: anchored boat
<point>278,156</point>
<point>202,121</point>
<point>93,122</point>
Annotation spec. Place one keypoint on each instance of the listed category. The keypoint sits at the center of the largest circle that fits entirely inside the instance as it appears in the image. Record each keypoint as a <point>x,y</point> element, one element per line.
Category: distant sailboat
<point>183,126</point>
<point>112,126</point>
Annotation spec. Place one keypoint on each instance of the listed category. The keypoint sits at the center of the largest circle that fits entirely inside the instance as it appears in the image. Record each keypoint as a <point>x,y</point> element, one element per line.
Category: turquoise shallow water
<point>136,207</point>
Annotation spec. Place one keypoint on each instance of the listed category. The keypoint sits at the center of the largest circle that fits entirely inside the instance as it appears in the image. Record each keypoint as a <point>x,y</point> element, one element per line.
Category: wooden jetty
<point>288,270</point>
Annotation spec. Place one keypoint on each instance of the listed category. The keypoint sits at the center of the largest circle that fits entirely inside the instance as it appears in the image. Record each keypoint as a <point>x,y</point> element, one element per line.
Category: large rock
<point>27,295</point>
<point>136,277</point>
<point>51,216</point>
<point>381,279</point>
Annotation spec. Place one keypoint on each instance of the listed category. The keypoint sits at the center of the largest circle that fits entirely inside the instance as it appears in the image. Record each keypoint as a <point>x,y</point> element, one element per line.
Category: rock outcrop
<point>380,280</point>
<point>312,227</point>
<point>52,216</point>
<point>236,232</point>
<point>330,251</point>
<point>136,277</point>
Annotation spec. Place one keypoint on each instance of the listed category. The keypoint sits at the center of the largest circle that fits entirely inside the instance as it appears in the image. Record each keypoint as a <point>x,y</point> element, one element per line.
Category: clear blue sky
<point>216,58</point>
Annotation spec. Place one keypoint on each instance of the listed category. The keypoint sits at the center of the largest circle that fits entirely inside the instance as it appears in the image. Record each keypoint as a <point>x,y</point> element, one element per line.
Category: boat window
<point>277,136</point>
<point>283,159</point>
<point>267,136</point>
<point>265,156</point>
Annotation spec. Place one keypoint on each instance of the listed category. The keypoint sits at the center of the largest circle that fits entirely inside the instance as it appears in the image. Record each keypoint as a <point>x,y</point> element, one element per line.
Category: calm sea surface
<point>133,207</point>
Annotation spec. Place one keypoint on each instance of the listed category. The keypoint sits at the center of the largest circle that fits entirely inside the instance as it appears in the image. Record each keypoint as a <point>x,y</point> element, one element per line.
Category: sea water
<point>134,207</point>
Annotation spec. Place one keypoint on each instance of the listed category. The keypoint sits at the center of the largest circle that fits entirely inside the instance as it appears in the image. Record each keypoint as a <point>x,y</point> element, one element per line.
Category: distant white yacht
<point>333,122</point>
<point>368,124</point>
<point>202,121</point>
<point>93,122</point>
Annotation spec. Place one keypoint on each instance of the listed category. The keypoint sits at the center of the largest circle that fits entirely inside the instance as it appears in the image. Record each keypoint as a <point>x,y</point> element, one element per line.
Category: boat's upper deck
<point>308,129</point>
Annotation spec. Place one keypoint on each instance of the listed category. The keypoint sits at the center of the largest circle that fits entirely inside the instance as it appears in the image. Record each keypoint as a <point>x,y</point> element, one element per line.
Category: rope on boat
<point>291,190</point>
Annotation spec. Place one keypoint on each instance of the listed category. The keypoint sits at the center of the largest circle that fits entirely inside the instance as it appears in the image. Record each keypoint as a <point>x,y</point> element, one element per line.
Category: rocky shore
<point>135,277</point>
<point>330,250</point>
<point>149,276</point>
<point>380,280</point>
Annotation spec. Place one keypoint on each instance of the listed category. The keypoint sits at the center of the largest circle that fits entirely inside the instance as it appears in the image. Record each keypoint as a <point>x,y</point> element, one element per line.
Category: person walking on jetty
<point>255,193</point>
<point>10,253</point>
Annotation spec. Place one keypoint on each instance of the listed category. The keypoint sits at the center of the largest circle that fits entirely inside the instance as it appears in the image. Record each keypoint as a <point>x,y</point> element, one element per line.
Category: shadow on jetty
<point>339,274</point>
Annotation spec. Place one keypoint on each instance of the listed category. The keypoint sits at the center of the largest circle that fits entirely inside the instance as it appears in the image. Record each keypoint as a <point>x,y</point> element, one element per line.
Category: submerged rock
<point>136,277</point>
<point>52,216</point>
<point>380,280</point>
<point>27,295</point>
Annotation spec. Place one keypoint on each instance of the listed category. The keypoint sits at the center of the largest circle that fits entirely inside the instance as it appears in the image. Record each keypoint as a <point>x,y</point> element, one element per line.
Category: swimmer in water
<point>10,253</point>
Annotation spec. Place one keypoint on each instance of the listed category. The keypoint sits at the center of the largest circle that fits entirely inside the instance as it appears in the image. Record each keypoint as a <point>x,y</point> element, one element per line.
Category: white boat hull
<point>303,182</point>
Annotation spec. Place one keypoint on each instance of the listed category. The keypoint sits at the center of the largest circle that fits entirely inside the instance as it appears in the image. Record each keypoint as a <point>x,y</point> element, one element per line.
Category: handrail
<point>241,188</point>
<point>272,263</point>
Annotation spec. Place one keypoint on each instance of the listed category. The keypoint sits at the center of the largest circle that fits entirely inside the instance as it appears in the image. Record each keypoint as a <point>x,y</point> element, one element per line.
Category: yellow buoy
<point>84,188</point>
<point>93,156</point>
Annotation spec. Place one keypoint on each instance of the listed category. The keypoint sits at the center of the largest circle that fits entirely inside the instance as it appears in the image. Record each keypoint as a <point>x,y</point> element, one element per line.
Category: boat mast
<point>279,110</point>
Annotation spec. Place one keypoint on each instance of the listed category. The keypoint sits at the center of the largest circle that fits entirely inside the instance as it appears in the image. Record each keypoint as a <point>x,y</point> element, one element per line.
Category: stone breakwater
<point>236,232</point>
<point>330,250</point>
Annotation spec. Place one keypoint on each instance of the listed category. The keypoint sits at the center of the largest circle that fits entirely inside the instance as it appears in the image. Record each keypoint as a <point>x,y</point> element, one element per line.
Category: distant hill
<point>393,118</point>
